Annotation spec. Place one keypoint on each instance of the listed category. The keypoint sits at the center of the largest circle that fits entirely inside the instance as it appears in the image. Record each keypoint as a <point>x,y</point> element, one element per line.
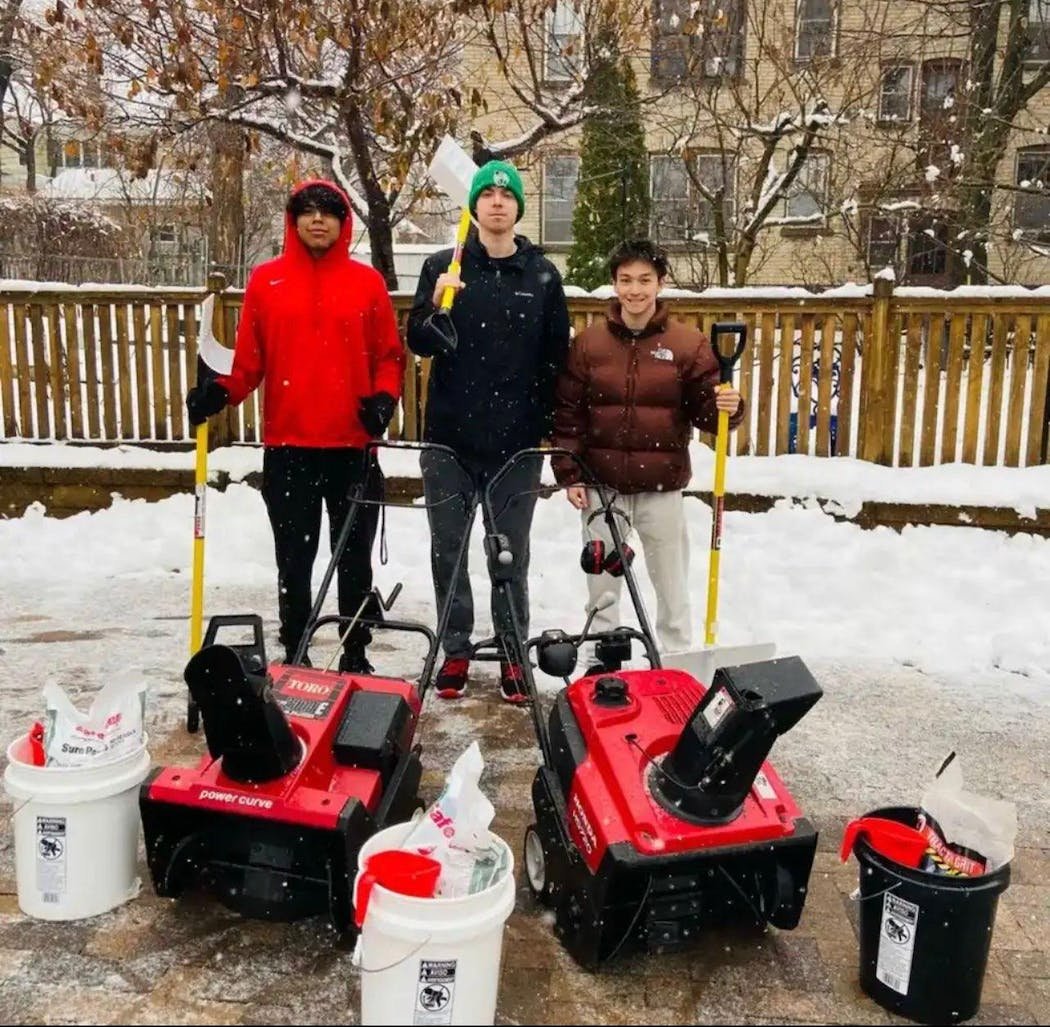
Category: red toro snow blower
<point>656,813</point>
<point>303,764</point>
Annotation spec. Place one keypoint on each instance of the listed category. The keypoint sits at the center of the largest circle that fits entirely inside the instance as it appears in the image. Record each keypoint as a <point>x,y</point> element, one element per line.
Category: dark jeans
<point>444,483</point>
<point>296,480</point>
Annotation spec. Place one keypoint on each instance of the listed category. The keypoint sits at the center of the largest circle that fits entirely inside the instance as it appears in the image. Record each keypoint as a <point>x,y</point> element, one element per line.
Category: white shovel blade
<point>210,350</point>
<point>702,663</point>
<point>453,170</point>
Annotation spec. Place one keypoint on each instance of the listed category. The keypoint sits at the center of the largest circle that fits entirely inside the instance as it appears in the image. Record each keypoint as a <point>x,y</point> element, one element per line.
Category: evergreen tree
<point>612,195</point>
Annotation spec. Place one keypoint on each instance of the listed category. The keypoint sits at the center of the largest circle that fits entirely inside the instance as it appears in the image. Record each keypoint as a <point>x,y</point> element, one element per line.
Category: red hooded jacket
<point>320,334</point>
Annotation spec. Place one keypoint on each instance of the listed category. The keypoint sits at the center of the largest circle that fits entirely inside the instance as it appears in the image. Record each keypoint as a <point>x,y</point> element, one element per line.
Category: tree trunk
<point>380,229</point>
<point>742,259</point>
<point>381,240</point>
<point>30,144</point>
<point>8,16</point>
<point>226,227</point>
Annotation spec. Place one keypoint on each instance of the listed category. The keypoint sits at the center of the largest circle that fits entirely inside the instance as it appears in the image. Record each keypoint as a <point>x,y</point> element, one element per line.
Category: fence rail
<point>908,378</point>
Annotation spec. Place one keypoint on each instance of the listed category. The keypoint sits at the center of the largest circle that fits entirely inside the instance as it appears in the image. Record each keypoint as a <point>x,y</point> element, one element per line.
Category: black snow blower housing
<point>303,766</point>
<point>656,813</point>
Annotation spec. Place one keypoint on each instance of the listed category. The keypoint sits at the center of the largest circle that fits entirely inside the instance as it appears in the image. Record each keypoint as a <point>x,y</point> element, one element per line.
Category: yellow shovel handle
<point>200,479</point>
<point>717,510</point>
<point>457,255</point>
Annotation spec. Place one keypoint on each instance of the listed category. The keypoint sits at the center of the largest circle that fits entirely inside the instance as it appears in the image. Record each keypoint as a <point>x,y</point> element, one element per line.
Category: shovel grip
<point>727,361</point>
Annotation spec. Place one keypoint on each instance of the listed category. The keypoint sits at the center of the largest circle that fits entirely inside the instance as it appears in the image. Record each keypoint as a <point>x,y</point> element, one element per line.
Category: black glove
<point>204,399</point>
<point>375,412</point>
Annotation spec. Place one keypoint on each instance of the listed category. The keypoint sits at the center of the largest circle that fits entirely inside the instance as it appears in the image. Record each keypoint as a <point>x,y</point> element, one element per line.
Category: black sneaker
<point>289,659</point>
<point>512,683</point>
<point>452,678</point>
<point>355,663</point>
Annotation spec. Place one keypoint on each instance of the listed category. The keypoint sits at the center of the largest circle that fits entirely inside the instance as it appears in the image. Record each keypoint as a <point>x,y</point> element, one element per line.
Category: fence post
<point>878,428</point>
<point>219,428</point>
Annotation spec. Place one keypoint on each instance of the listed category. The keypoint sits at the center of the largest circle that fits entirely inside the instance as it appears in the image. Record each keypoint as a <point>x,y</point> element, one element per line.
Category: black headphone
<point>597,557</point>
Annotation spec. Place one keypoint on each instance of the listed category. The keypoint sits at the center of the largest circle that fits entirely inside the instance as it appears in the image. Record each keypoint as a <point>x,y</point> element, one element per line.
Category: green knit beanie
<point>501,174</point>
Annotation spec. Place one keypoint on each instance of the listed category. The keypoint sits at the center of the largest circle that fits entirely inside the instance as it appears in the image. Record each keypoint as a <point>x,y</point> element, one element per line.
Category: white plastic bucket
<point>431,961</point>
<point>76,833</point>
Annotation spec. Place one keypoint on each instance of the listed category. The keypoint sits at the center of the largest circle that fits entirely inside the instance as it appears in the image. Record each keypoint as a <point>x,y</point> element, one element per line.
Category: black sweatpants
<point>445,484</point>
<point>295,482</point>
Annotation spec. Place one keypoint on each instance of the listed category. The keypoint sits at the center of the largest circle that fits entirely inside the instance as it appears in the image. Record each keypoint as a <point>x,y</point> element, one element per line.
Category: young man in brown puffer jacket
<point>635,386</point>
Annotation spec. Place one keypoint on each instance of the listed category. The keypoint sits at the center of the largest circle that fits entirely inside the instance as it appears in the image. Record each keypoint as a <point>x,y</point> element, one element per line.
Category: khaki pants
<point>658,520</point>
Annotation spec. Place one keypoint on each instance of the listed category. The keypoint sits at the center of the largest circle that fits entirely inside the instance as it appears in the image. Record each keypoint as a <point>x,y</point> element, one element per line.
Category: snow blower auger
<point>303,765</point>
<point>656,813</point>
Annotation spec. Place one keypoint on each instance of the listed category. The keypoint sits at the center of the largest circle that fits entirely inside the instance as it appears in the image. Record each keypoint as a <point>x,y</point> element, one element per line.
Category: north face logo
<point>501,178</point>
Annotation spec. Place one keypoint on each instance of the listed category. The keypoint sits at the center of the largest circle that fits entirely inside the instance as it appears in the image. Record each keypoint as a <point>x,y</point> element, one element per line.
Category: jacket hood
<point>294,246</point>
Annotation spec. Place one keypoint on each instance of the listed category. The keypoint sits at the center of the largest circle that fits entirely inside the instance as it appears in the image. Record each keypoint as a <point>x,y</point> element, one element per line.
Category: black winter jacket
<point>495,394</point>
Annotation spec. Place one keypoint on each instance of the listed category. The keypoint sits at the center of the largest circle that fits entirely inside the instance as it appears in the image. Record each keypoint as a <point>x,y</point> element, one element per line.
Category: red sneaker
<point>512,683</point>
<point>452,678</point>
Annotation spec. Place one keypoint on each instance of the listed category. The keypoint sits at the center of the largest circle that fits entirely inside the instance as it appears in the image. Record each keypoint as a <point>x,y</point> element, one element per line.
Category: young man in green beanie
<point>490,395</point>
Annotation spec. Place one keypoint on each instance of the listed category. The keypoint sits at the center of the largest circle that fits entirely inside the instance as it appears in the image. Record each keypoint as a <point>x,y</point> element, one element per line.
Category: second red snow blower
<point>656,813</point>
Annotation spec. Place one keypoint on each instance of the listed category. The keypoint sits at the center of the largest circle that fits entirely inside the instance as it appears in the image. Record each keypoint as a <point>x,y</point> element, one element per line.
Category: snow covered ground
<point>924,641</point>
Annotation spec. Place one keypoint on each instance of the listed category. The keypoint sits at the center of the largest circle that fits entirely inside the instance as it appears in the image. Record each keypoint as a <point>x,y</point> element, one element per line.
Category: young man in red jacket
<point>635,386</point>
<point>318,330</point>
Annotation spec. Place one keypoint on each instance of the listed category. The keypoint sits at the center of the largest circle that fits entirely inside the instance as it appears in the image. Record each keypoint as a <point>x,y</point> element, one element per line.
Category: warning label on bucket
<point>896,942</point>
<point>435,991</point>
<point>51,858</point>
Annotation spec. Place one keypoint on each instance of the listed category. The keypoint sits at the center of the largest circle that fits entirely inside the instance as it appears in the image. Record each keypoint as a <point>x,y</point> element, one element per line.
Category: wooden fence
<point>912,377</point>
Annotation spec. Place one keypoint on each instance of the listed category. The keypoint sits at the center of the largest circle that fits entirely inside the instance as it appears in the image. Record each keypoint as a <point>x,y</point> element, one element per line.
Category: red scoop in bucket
<point>407,873</point>
<point>889,838</point>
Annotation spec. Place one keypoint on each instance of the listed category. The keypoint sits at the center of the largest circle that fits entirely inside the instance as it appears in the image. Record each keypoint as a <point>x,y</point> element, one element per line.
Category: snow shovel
<point>703,663</point>
<point>212,359</point>
<point>453,171</point>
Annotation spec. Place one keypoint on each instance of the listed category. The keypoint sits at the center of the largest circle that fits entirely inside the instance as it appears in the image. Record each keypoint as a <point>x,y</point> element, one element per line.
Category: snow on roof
<point>108,184</point>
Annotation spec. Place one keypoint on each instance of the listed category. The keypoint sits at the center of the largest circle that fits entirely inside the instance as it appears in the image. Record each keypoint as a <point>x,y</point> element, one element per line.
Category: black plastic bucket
<point>924,938</point>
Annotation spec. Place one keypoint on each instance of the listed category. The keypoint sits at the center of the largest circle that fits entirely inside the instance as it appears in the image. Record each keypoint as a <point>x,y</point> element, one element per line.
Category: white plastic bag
<point>112,727</point>
<point>969,834</point>
<point>455,831</point>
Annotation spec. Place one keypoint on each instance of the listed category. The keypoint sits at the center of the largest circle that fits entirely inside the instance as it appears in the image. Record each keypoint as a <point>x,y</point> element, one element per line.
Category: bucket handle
<point>855,894</point>
<point>356,957</point>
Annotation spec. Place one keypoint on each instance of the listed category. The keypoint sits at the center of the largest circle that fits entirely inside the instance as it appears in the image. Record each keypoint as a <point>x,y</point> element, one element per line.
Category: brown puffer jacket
<point>627,403</point>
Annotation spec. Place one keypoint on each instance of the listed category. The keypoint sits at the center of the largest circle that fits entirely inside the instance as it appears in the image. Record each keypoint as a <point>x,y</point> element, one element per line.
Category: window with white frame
<point>883,242</point>
<point>76,153</point>
<point>679,211</point>
<point>560,174</point>
<point>1038,32</point>
<point>1032,200</point>
<point>669,191</point>
<point>940,117</point>
<point>940,90</point>
<point>697,39</point>
<point>164,237</point>
<point>927,247</point>
<point>564,39</point>
<point>806,197</point>
<point>716,174</point>
<point>815,29</point>
<point>895,94</point>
